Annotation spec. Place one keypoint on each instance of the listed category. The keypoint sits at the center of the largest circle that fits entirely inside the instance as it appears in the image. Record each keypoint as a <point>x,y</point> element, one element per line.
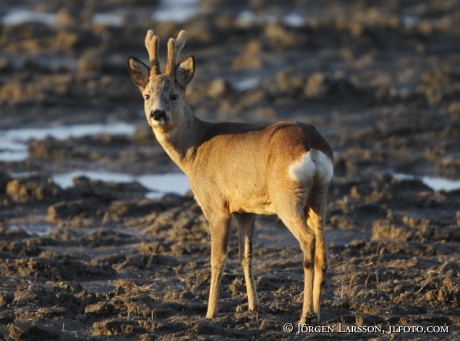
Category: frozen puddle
<point>13,142</point>
<point>247,18</point>
<point>177,11</point>
<point>246,84</point>
<point>437,184</point>
<point>108,19</point>
<point>35,229</point>
<point>294,20</point>
<point>17,17</point>
<point>159,184</point>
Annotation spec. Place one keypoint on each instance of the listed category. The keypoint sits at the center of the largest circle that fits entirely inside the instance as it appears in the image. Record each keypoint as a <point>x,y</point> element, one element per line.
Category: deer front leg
<point>219,228</point>
<point>246,231</point>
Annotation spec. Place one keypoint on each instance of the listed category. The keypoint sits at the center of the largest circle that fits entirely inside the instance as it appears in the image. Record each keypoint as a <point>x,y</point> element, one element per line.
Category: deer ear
<point>139,72</point>
<point>185,70</point>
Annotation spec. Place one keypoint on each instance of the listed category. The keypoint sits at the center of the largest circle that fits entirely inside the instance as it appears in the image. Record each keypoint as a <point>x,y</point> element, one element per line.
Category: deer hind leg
<point>315,212</point>
<point>220,231</point>
<point>246,230</point>
<point>293,216</point>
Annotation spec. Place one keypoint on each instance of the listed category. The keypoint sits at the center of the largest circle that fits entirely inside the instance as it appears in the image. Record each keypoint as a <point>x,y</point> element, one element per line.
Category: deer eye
<point>147,97</point>
<point>173,97</point>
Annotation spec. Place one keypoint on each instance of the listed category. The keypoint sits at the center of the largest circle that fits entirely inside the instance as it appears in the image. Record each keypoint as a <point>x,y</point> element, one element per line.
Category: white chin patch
<point>160,122</point>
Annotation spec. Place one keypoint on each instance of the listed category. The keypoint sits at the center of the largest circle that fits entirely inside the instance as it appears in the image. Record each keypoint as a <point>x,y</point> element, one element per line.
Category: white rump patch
<point>312,164</point>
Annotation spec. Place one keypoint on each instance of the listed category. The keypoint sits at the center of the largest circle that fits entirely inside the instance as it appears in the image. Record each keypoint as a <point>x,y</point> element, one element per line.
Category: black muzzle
<point>158,115</point>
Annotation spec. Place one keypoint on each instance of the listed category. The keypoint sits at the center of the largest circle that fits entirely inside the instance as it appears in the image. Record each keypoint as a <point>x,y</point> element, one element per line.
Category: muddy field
<point>107,259</point>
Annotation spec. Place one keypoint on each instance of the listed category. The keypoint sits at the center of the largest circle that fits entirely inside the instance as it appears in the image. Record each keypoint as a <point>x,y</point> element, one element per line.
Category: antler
<point>174,47</point>
<point>151,43</point>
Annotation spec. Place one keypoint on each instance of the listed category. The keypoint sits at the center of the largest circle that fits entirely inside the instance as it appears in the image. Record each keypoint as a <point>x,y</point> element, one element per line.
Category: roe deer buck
<point>241,169</point>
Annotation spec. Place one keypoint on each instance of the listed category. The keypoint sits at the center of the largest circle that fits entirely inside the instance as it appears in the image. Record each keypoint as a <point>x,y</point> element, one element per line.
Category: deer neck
<point>182,142</point>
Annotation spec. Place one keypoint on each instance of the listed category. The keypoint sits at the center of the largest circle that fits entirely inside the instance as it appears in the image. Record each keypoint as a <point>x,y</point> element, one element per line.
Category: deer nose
<point>158,115</point>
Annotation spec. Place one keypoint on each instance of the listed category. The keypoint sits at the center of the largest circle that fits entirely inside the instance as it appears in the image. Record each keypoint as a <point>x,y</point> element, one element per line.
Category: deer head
<point>164,94</point>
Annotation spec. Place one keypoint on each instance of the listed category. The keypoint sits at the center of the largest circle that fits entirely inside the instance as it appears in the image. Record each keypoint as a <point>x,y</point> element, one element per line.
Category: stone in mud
<point>316,86</point>
<point>250,100</point>
<point>61,210</point>
<point>147,209</point>
<point>7,234</point>
<point>144,262</point>
<point>108,260</point>
<point>85,147</point>
<point>248,62</point>
<point>191,248</point>
<point>449,294</point>
<point>65,40</point>
<point>52,312</point>
<point>32,332</point>
<point>218,88</point>
<point>6,298</point>
<point>87,188</point>
<point>146,337</point>
<point>116,211</point>
<point>155,247</point>
<point>5,64</point>
<point>6,317</point>
<point>50,148</point>
<point>101,238</point>
<point>342,221</point>
<point>91,62</point>
<point>73,209</point>
<point>32,188</point>
<point>450,268</point>
<point>105,192</point>
<point>99,309</point>
<point>57,269</point>
<point>320,87</point>
<point>67,17</point>
<point>68,287</point>
<point>454,110</point>
<point>116,327</point>
<point>279,36</point>
<point>140,307</point>
<point>4,179</point>
<point>448,166</point>
<point>368,320</point>
<point>28,247</point>
<point>143,135</point>
<point>40,331</point>
<point>290,84</point>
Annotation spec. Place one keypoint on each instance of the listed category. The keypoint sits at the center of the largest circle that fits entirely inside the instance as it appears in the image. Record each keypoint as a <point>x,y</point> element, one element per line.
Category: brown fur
<point>152,43</point>
<point>171,64</point>
<point>241,169</point>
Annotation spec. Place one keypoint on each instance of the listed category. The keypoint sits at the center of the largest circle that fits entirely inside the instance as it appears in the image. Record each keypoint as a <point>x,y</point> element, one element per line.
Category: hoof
<point>308,317</point>
<point>210,315</point>
<point>255,313</point>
